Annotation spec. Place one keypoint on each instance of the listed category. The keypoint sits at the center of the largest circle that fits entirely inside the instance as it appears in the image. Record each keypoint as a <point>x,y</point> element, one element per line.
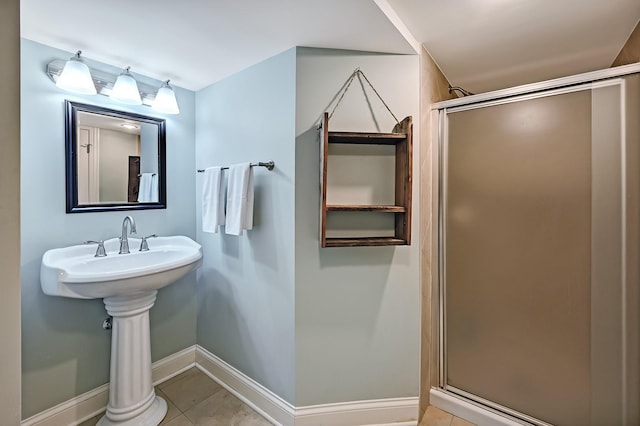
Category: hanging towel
<point>239,199</point>
<point>148,190</point>
<point>213,199</point>
<point>153,192</point>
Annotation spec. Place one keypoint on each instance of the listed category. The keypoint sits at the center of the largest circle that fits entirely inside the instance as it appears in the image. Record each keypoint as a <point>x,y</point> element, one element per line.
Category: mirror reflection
<point>115,160</point>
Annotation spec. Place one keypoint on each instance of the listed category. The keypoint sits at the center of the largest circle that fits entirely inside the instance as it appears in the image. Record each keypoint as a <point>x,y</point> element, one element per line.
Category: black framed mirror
<point>115,160</point>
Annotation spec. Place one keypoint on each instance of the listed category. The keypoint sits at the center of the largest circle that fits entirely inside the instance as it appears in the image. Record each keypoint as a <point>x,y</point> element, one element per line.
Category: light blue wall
<point>312,325</point>
<point>246,284</point>
<point>65,352</point>
<point>357,308</point>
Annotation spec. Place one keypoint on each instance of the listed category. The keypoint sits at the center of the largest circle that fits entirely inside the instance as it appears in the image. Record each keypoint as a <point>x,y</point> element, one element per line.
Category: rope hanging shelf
<point>357,73</point>
<point>402,138</point>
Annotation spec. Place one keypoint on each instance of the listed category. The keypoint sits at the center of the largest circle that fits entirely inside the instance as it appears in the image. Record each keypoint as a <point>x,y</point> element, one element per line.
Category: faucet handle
<point>100,252</point>
<point>144,246</point>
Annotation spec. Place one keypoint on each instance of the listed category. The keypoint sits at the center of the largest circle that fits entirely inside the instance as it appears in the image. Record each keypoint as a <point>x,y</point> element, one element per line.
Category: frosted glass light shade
<point>165,100</point>
<point>76,77</point>
<point>125,89</point>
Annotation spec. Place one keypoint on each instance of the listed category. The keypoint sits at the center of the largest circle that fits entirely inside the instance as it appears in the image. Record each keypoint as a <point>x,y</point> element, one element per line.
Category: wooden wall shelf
<point>366,138</point>
<point>366,208</point>
<point>402,139</point>
<point>364,241</point>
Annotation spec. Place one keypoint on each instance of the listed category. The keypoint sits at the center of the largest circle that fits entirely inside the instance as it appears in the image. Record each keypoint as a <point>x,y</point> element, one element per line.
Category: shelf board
<point>367,138</point>
<point>364,241</point>
<point>366,208</point>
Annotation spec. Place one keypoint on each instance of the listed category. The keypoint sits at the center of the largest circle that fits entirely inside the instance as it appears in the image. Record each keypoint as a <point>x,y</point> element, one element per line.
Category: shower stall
<point>538,246</point>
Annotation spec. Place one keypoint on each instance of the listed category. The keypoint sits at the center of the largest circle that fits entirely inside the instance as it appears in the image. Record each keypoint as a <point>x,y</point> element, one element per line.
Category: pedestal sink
<point>128,283</point>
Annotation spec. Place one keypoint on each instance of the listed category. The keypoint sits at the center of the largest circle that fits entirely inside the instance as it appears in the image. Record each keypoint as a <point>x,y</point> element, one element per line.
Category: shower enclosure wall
<point>538,252</point>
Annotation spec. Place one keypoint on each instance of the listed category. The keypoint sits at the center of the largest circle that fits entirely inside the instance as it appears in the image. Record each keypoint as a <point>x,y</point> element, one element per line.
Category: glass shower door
<point>533,255</point>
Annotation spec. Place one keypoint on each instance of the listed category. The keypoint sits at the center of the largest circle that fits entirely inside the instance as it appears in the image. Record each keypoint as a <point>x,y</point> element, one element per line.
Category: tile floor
<point>436,417</point>
<point>195,399</point>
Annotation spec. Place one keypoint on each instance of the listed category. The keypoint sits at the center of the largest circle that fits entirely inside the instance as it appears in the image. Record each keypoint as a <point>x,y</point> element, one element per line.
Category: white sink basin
<point>75,272</point>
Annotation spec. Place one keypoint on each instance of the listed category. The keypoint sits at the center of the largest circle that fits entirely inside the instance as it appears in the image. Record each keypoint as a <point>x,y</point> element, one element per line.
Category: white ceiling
<point>109,123</point>
<point>198,42</point>
<point>485,45</point>
<point>479,44</point>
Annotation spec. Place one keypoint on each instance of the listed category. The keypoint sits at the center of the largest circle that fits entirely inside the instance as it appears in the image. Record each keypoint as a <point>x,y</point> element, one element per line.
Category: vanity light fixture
<point>76,76</point>
<point>125,89</point>
<point>83,80</point>
<point>165,100</point>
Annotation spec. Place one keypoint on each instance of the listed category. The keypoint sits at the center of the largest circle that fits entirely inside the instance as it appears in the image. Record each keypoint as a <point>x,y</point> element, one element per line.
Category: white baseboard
<point>92,403</point>
<point>387,412</point>
<point>390,411</point>
<point>465,410</point>
<point>268,404</point>
<point>73,411</point>
<point>175,364</point>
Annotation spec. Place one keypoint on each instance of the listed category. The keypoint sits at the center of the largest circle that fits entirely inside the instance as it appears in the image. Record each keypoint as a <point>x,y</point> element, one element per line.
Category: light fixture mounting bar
<point>103,81</point>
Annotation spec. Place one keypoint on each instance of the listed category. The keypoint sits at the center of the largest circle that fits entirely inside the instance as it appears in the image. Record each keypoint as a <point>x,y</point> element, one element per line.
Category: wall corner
<point>630,52</point>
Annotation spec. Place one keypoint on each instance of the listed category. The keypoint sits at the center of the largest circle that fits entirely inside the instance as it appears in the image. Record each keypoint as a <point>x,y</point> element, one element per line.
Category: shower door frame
<point>448,397</point>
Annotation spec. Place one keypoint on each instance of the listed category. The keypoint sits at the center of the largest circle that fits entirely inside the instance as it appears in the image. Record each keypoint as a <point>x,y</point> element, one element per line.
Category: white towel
<point>212,199</point>
<point>148,190</point>
<point>153,191</point>
<point>239,199</point>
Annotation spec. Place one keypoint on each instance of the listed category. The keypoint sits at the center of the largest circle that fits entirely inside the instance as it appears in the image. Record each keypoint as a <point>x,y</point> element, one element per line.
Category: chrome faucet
<point>124,241</point>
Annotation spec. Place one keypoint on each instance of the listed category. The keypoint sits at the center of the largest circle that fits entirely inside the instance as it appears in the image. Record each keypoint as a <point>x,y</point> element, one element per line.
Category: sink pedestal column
<point>132,398</point>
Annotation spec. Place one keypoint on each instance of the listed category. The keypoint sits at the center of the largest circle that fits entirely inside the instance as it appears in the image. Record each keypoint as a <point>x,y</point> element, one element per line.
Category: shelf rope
<point>353,75</point>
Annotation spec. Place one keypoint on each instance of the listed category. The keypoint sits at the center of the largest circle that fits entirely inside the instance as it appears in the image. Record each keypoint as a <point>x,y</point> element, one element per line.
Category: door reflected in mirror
<point>115,160</point>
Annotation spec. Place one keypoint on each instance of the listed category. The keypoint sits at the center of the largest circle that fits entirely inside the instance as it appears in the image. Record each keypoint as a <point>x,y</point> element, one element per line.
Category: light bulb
<point>125,89</point>
<point>165,100</point>
<point>76,77</point>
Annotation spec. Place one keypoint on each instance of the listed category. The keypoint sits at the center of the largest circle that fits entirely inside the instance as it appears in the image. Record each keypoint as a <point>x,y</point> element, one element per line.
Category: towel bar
<point>269,165</point>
